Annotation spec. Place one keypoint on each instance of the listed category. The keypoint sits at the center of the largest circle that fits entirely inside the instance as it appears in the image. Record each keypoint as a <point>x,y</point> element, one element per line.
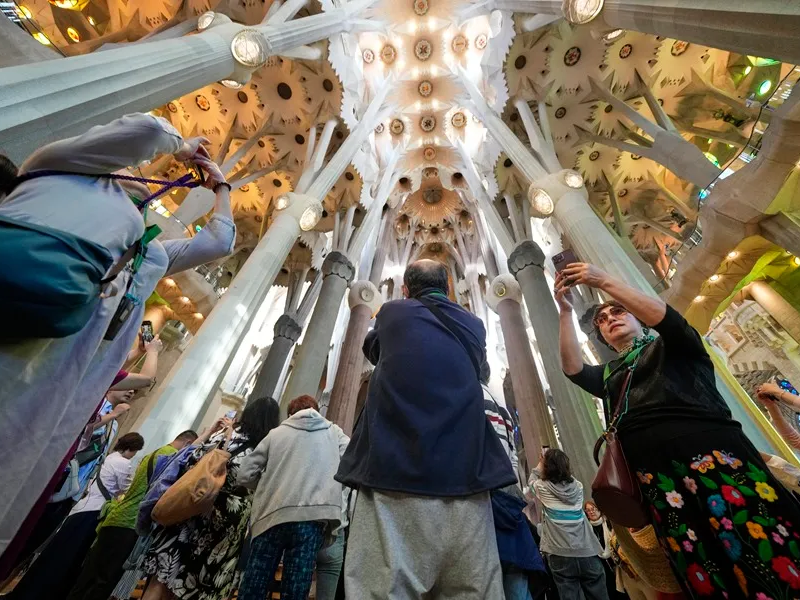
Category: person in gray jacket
<point>297,503</point>
<point>568,541</point>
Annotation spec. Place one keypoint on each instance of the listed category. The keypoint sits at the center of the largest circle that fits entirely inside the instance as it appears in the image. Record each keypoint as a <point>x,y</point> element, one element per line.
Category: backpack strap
<point>103,489</point>
<point>151,463</point>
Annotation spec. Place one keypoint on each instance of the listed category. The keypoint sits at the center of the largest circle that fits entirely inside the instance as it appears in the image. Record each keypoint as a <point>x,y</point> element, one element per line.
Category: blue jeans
<point>298,543</point>
<point>329,568</point>
<point>515,584</point>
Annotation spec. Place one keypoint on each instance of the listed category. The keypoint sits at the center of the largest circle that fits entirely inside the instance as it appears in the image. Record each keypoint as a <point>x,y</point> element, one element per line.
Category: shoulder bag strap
<point>443,319</point>
<point>151,463</point>
<point>103,489</point>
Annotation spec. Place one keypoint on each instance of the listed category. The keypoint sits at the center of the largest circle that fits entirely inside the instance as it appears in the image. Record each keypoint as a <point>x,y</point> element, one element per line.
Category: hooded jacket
<point>292,470</point>
<point>565,529</point>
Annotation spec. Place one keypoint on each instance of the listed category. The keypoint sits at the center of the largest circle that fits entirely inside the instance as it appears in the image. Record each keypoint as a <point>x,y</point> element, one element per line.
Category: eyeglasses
<point>613,311</point>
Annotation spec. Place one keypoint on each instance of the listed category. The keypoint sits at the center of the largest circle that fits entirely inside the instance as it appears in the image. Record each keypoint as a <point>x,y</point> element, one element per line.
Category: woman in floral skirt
<point>197,559</point>
<point>729,528</point>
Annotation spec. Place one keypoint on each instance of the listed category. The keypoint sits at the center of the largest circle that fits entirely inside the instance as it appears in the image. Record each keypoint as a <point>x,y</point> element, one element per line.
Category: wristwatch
<point>221,183</point>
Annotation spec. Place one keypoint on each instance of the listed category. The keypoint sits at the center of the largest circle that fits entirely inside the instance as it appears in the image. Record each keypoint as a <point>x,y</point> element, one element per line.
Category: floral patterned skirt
<point>729,528</point>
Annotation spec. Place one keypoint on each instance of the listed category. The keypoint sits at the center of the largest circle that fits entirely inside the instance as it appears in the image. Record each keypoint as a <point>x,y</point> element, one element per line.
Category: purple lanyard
<point>187,181</point>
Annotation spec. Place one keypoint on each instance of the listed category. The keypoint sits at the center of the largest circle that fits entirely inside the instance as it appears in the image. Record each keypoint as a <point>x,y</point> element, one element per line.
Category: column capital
<point>287,327</point>
<point>364,293</point>
<point>526,254</point>
<point>503,287</point>
<point>339,265</point>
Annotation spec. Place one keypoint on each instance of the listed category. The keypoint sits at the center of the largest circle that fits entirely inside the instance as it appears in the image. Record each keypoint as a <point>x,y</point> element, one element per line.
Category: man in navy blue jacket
<point>423,455</point>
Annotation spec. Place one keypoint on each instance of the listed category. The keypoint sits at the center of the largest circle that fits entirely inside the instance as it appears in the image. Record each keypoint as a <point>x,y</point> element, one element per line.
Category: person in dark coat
<point>423,456</point>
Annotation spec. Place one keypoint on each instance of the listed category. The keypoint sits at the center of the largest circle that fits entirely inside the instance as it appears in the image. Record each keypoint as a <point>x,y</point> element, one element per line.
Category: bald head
<point>425,275</point>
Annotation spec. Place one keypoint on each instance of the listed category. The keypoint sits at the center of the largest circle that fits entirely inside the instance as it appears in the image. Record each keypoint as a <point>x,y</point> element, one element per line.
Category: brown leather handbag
<point>615,490</point>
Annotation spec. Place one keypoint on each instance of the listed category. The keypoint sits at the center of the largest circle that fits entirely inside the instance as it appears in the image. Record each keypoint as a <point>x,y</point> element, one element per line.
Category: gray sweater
<point>292,470</point>
<point>565,529</point>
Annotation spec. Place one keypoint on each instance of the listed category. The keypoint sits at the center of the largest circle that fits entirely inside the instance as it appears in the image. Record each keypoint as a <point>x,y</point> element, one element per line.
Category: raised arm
<point>650,310</point>
<point>147,374</point>
<point>125,142</point>
<point>216,239</point>
<point>568,344</point>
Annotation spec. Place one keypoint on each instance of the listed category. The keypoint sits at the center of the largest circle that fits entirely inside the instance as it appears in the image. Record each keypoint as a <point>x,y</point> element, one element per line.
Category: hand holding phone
<point>147,332</point>
<point>562,259</point>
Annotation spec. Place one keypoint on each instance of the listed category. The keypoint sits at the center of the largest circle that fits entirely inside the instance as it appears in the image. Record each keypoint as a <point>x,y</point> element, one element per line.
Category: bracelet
<point>220,184</point>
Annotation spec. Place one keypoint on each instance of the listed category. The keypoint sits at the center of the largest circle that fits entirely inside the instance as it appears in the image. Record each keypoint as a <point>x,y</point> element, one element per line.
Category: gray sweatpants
<point>404,547</point>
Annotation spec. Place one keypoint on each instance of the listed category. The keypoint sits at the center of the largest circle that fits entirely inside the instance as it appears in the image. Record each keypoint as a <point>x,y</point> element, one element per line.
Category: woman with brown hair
<point>729,527</point>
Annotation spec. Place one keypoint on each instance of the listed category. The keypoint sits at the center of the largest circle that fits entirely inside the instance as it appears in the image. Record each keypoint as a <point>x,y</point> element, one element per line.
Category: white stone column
<point>575,409</point>
<point>589,237</point>
<point>56,99</point>
<point>536,426</point>
<point>182,397</point>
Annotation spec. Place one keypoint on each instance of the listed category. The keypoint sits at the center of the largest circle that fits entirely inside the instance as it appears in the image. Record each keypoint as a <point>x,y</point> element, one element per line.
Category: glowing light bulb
<point>747,70</point>
<point>198,316</point>
<point>714,278</point>
<point>23,12</point>
<point>699,298</point>
<point>573,179</point>
<point>91,21</point>
<point>733,254</point>
<point>310,218</point>
<point>170,282</point>
<point>41,38</point>
<point>796,261</point>
<point>184,299</point>
<point>765,87</point>
<point>282,202</point>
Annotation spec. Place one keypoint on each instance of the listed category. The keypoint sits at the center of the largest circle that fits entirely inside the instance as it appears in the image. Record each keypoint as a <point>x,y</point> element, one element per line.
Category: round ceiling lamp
<point>70,4</point>
<point>73,34</point>
<point>423,50</point>
<point>460,44</point>
<point>573,179</point>
<point>458,120</point>
<point>204,21</point>
<point>248,48</point>
<point>765,87</point>
<point>425,88</point>
<point>580,12</point>
<point>542,204</point>
<point>310,217</point>
<point>397,126</point>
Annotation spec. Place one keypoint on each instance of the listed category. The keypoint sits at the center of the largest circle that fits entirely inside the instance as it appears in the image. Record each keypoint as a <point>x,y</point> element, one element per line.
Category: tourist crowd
<point>427,499</point>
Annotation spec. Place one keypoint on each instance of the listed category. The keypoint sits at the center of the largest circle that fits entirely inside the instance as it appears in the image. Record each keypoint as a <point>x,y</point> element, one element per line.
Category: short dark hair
<point>187,436</point>
<point>425,274</point>
<point>129,441</point>
<point>556,467</point>
<point>302,403</point>
<point>486,372</point>
<point>8,175</point>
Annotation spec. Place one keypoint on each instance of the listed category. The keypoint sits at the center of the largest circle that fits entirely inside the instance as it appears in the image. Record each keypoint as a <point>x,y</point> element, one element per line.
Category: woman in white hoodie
<point>571,548</point>
<point>297,503</point>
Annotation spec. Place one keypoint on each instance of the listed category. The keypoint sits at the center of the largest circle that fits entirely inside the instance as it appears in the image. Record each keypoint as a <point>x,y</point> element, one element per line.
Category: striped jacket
<point>502,425</point>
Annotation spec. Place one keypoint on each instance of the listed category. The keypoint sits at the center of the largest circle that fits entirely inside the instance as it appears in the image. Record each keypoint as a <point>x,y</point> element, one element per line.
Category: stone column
<point>574,407</point>
<point>286,333</point>
<point>777,307</point>
<point>536,426</point>
<point>338,272</point>
<point>184,395</point>
<point>56,99</point>
<point>364,300</point>
<point>589,237</point>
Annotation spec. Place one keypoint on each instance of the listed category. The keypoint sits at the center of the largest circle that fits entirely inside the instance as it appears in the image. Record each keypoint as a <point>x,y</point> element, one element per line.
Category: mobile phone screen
<point>147,332</point>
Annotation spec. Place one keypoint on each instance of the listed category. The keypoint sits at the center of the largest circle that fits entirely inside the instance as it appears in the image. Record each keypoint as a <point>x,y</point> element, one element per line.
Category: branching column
<point>777,306</point>
<point>287,331</point>
<point>364,300</point>
<point>505,297</point>
<point>338,272</point>
<point>56,99</point>
<point>183,396</point>
<point>580,425</point>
